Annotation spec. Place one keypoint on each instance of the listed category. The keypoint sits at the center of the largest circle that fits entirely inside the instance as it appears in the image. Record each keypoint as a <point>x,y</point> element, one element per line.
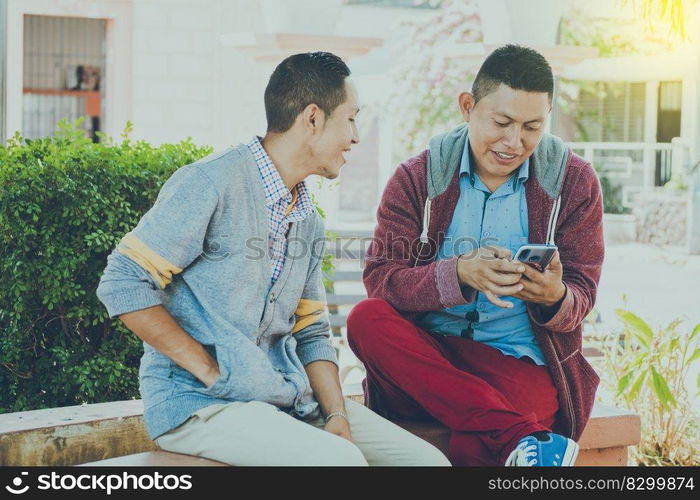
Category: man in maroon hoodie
<point>455,329</point>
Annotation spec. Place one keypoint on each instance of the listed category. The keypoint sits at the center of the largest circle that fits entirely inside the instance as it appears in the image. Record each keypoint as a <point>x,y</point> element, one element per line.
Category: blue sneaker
<point>555,451</point>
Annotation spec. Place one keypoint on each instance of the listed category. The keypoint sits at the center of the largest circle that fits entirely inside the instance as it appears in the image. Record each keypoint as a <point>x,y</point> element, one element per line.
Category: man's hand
<point>155,326</point>
<point>339,426</point>
<point>212,375</point>
<point>547,287</point>
<point>325,384</point>
<point>490,270</point>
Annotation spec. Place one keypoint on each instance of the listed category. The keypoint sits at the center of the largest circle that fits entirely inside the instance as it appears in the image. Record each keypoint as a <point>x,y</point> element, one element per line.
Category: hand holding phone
<point>491,271</point>
<point>543,285</point>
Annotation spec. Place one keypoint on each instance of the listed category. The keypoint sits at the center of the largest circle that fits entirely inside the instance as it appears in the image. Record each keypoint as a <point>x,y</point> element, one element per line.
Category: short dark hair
<point>521,68</point>
<point>303,79</point>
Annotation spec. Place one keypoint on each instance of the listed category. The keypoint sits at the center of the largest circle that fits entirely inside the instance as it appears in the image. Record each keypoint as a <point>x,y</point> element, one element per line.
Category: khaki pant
<point>257,433</point>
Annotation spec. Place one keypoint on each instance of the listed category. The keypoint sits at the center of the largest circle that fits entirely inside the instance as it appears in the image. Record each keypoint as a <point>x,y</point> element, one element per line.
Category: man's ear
<point>466,104</point>
<point>312,118</point>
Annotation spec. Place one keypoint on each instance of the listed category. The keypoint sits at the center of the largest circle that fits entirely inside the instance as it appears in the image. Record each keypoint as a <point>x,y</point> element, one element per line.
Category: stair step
<point>346,276</point>
<point>336,299</point>
<point>338,321</point>
<point>341,252</point>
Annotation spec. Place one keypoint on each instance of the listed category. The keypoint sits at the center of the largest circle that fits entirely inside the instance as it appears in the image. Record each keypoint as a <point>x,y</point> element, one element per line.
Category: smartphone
<point>537,255</point>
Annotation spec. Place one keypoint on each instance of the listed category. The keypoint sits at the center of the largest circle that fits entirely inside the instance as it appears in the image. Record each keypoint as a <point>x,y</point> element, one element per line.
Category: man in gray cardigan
<point>221,279</point>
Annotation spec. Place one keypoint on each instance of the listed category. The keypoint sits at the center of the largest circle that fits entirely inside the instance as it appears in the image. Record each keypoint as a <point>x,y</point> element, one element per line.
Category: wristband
<point>337,414</point>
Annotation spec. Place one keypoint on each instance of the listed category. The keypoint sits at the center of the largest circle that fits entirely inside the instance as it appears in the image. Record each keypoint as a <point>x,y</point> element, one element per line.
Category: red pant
<point>489,400</point>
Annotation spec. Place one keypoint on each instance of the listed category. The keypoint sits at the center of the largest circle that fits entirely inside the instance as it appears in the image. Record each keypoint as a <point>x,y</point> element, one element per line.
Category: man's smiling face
<point>337,135</point>
<point>505,127</point>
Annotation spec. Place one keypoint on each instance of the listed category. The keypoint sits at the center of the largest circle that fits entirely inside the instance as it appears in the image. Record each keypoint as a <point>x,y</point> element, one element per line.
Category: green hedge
<point>64,204</point>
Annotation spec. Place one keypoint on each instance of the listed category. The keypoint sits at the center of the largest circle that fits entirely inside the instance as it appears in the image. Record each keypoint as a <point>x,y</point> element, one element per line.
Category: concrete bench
<point>113,434</point>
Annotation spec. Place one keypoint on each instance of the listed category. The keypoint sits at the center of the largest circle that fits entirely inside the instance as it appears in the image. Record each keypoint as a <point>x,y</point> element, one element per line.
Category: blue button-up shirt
<point>483,218</point>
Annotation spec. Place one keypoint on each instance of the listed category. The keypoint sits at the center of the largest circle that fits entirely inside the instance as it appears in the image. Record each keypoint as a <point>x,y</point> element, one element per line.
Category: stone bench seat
<point>113,434</point>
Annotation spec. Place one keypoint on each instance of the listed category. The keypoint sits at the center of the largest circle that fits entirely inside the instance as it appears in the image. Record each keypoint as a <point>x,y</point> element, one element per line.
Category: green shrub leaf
<point>661,389</point>
<point>639,328</point>
<point>636,387</point>
<point>696,330</point>
<point>695,356</point>
<point>624,382</point>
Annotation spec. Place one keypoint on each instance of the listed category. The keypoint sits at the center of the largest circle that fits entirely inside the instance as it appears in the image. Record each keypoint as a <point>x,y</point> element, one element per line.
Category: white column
<point>3,71</point>
<point>650,118</point>
<point>693,221</point>
<point>495,21</point>
<point>691,103</point>
<point>15,66</point>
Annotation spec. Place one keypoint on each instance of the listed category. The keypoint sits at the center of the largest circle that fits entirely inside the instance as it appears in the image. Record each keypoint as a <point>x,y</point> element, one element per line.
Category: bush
<point>649,372</point>
<point>65,202</point>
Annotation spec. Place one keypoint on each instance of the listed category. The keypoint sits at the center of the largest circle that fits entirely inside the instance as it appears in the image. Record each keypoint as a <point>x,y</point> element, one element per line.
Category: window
<point>607,112</point>
<point>64,62</point>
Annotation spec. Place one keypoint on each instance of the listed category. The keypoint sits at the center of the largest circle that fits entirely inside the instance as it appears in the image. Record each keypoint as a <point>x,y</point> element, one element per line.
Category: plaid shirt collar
<point>274,186</point>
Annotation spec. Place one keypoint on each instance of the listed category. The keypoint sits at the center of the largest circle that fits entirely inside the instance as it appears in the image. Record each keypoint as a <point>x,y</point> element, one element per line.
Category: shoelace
<point>520,456</point>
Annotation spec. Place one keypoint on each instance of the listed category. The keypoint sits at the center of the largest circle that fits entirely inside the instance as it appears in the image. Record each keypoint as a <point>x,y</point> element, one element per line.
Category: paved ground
<point>660,284</point>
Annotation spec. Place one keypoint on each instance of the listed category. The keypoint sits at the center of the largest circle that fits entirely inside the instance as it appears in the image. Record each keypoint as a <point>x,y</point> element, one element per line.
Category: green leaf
<point>639,328</point>
<point>636,387</point>
<point>661,389</point>
<point>624,382</point>
<point>695,356</point>
<point>696,330</point>
<point>638,361</point>
<point>674,344</point>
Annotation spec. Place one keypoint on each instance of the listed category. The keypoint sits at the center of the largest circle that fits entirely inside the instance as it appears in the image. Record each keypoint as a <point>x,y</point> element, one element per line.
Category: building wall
<point>185,82</point>
<point>167,70</point>
<point>171,74</point>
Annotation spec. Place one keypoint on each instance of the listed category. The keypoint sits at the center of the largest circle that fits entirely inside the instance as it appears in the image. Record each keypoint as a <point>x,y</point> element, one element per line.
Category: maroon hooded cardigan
<point>433,285</point>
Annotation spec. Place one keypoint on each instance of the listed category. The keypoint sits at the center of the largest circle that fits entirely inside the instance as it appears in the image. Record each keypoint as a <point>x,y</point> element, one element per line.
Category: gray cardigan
<point>201,251</point>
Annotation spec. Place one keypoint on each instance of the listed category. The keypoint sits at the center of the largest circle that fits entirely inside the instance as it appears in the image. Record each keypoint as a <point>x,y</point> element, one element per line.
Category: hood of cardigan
<point>548,161</point>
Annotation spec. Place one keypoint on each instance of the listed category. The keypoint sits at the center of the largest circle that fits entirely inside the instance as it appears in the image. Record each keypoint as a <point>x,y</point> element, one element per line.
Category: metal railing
<point>637,166</point>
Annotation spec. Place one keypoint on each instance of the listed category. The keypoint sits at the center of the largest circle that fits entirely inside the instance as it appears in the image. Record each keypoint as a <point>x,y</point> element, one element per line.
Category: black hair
<point>520,68</point>
<point>303,79</point>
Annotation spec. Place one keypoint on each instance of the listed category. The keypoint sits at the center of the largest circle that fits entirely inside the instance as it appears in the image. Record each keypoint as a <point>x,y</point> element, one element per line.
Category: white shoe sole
<point>570,454</point>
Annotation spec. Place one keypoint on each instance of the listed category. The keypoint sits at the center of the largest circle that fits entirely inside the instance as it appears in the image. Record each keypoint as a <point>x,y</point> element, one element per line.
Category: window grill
<point>64,65</point>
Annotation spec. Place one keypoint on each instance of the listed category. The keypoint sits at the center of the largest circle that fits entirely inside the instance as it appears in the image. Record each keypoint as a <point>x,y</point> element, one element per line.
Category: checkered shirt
<point>283,206</point>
